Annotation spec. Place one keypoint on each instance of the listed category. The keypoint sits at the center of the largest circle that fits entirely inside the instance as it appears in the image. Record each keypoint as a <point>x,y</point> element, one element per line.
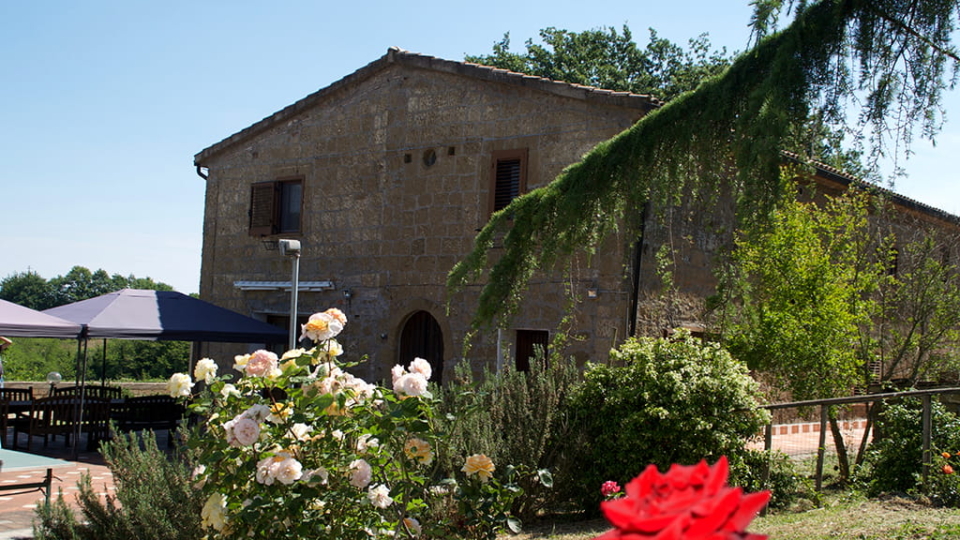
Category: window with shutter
<point>275,207</point>
<point>261,208</point>
<point>508,177</point>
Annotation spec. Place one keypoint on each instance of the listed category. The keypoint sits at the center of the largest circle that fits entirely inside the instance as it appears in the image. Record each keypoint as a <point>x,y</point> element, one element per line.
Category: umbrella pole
<point>103,365</point>
<point>78,418</point>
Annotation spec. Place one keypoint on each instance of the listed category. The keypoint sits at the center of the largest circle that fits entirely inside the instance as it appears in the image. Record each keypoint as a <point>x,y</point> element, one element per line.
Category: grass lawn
<point>842,517</point>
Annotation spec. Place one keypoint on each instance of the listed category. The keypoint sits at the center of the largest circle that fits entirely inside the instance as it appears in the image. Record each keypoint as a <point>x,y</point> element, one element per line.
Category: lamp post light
<point>291,248</point>
<point>53,378</point>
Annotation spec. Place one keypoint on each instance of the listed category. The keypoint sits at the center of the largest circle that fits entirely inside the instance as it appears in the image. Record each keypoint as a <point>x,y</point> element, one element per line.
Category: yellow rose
<point>479,465</point>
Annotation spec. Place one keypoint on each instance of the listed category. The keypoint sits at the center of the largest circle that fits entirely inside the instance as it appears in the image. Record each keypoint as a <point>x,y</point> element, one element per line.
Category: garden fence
<point>800,440</point>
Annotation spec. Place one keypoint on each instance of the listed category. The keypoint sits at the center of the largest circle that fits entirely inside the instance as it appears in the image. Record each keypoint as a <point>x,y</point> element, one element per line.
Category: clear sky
<point>103,104</point>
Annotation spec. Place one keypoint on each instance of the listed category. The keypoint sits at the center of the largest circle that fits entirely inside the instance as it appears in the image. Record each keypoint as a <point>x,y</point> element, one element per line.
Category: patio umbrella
<point>19,321</point>
<point>141,314</point>
<point>165,315</point>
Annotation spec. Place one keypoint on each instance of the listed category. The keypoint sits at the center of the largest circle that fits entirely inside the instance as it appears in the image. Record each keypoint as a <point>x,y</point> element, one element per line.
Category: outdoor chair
<point>17,394</point>
<point>90,391</point>
<point>149,412</point>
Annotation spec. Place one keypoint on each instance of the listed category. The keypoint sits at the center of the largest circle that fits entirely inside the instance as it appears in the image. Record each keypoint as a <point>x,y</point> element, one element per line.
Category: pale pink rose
<point>411,384</point>
<point>242,431</point>
<point>300,431</point>
<point>262,363</point>
<point>265,471</point>
<point>360,473</point>
<point>257,412</point>
<point>288,471</point>
<point>367,441</point>
<point>421,366</point>
<point>320,327</point>
<point>320,473</point>
<point>397,372</point>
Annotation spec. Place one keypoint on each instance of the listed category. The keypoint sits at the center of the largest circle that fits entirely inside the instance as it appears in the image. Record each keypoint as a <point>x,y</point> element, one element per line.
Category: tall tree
<point>608,59</point>
<point>28,289</point>
<point>891,59</point>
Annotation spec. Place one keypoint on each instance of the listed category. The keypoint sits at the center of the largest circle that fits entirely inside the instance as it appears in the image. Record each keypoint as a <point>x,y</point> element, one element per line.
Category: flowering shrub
<point>894,459</point>
<point>661,401</point>
<point>943,483</point>
<point>687,503</point>
<point>300,448</point>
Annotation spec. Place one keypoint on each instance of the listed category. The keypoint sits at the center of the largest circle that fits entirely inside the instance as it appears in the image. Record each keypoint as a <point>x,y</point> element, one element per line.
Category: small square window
<point>275,207</point>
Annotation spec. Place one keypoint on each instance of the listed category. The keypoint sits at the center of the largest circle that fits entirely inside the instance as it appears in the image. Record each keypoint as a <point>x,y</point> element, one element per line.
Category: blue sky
<point>104,104</point>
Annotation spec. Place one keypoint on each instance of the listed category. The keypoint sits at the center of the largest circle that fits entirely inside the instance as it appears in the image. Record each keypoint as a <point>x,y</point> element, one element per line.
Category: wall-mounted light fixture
<point>592,292</point>
<point>291,248</point>
<point>348,294</point>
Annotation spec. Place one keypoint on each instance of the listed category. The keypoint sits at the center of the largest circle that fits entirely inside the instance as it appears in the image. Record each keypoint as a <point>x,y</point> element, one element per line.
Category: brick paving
<point>18,507</point>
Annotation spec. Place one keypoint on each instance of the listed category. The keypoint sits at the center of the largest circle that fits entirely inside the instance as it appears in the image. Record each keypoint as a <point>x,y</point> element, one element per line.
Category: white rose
<point>214,512</point>
<point>179,385</point>
<point>300,431</point>
<point>360,473</point>
<point>379,496</point>
<point>206,370</point>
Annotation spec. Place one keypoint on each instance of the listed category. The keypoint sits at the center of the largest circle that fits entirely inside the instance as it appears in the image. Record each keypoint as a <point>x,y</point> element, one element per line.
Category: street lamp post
<point>291,248</point>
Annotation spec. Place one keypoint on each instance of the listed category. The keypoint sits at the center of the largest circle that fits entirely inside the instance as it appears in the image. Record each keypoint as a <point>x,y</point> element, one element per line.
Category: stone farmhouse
<point>386,175</point>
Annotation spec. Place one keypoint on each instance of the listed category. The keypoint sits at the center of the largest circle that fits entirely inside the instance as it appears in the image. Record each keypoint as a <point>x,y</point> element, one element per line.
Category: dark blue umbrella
<point>165,315</point>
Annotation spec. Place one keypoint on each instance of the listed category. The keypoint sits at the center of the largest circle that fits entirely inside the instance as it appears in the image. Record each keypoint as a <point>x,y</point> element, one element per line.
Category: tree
<point>799,291</point>
<point>890,59</point>
<point>34,358</point>
<point>824,299</point>
<point>27,289</point>
<point>918,313</point>
<point>607,59</point>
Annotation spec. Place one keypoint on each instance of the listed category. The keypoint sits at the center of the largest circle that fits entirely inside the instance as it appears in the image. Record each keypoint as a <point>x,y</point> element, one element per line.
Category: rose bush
<point>298,447</point>
<point>687,503</point>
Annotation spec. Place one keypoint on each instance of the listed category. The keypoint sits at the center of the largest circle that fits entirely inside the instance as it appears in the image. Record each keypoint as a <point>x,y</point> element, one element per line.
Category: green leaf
<point>545,477</point>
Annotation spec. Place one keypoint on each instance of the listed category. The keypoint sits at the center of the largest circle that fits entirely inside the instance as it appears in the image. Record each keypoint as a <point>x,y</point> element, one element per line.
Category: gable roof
<point>847,180</point>
<point>396,56</point>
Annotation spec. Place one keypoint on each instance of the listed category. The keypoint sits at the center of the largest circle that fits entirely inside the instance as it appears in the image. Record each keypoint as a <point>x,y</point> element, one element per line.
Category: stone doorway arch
<point>421,337</point>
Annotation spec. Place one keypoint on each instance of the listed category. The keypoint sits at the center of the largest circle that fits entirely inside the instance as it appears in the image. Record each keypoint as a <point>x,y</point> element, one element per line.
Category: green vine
<point>740,120</point>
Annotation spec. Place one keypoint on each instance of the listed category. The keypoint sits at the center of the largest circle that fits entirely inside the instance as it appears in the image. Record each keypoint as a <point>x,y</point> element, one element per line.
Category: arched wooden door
<point>421,337</point>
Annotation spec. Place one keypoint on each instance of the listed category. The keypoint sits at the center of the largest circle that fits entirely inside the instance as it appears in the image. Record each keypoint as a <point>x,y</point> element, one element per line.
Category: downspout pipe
<point>200,172</point>
<point>635,278</point>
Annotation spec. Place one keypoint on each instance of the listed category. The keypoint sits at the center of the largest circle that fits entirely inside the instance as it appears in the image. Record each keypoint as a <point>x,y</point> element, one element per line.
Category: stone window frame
<point>266,212</point>
<point>508,177</point>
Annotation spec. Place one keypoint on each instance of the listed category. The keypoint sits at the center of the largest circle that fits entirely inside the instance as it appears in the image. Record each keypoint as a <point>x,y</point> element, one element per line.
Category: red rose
<point>687,503</point>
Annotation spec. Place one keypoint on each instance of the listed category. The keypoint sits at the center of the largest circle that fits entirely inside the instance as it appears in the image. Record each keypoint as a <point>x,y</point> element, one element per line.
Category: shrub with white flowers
<point>298,447</point>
